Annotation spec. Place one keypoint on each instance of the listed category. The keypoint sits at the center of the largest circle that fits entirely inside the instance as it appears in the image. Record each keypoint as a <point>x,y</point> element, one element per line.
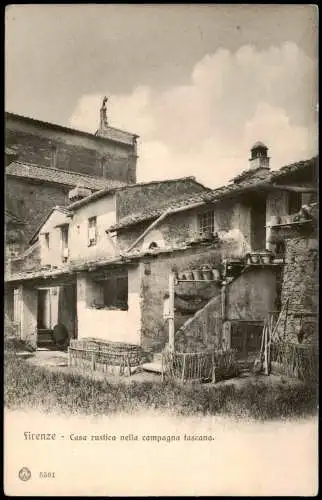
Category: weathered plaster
<point>114,325</point>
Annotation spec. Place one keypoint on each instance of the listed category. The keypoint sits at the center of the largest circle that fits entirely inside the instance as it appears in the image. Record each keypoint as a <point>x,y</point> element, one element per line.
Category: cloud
<point>207,126</point>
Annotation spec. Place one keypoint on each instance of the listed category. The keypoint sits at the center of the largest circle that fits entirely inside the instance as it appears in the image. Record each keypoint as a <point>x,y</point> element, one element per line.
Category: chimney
<point>78,193</point>
<point>259,158</point>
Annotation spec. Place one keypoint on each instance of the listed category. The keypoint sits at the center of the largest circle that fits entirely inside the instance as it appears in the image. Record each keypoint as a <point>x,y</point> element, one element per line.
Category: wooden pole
<point>183,368</point>
<point>279,317</point>
<point>171,311</point>
<point>223,302</point>
<point>265,352</point>
<point>162,365</point>
<point>286,316</point>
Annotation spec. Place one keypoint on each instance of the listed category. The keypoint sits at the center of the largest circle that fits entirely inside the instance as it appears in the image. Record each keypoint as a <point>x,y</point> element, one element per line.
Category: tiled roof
<point>154,212</point>
<point>261,177</point>
<point>10,151</point>
<point>294,167</point>
<point>245,174</point>
<point>57,176</point>
<point>258,178</point>
<point>102,192</point>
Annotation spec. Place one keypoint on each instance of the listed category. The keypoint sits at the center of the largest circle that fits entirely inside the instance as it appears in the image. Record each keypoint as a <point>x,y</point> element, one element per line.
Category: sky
<point>200,84</point>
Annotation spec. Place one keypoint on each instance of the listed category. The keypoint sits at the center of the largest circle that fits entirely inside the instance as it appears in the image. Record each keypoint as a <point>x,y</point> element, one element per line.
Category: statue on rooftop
<point>103,114</point>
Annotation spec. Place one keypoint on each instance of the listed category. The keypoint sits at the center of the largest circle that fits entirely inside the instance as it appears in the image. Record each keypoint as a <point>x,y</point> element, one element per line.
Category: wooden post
<point>213,370</point>
<point>286,315</point>
<point>183,368</point>
<point>223,302</point>
<point>266,350</point>
<point>171,311</point>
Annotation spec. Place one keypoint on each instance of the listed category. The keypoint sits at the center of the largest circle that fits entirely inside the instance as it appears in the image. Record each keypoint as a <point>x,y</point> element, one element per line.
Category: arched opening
<point>153,245</point>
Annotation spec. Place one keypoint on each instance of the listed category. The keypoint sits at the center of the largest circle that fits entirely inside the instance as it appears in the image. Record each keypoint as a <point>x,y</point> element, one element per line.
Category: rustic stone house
<point>66,249</point>
<point>122,244</point>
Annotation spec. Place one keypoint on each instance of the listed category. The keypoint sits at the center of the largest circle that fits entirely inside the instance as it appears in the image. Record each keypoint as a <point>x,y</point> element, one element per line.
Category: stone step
<point>152,367</point>
<point>157,357</point>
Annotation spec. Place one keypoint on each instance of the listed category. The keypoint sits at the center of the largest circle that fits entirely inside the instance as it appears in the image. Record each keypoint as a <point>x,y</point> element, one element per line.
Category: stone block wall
<point>145,196</point>
<point>33,201</point>
<point>29,261</point>
<point>300,285</point>
<point>78,152</point>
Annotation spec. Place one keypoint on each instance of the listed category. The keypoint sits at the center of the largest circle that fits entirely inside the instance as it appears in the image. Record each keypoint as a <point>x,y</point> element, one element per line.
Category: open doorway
<point>44,310</point>
<point>258,223</point>
<point>56,315</point>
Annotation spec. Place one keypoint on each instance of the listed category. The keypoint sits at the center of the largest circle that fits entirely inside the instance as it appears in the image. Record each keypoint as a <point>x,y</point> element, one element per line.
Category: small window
<point>92,231</point>
<point>102,167</point>
<point>153,245</point>
<point>111,293</point>
<point>64,242</point>
<point>47,241</point>
<point>115,292</point>
<point>206,224</point>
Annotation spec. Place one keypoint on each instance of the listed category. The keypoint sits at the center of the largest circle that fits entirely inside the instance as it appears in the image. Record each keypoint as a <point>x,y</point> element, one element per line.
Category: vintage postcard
<point>161,250</point>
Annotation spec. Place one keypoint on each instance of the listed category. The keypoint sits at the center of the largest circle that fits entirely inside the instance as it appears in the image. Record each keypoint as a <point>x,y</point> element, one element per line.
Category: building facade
<point>108,257</point>
<point>44,161</point>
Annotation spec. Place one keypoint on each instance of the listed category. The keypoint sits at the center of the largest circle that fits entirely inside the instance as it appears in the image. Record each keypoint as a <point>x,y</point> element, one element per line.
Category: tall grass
<point>28,386</point>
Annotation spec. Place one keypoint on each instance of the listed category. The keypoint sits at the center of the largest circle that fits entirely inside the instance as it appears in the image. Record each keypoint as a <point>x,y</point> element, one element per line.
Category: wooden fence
<point>198,366</point>
<point>96,355</point>
<point>295,360</point>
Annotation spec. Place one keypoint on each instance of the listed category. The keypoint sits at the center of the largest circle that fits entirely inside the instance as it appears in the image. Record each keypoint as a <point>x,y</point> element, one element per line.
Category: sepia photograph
<point>161,250</point>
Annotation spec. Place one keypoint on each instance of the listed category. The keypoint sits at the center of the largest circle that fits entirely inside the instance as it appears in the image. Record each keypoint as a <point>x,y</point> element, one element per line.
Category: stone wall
<point>300,285</point>
<point>155,286</point>
<point>252,295</point>
<point>32,201</point>
<point>28,319</point>
<point>179,227</point>
<point>137,198</point>
<point>29,261</point>
<point>77,152</point>
<point>203,331</point>
<point>249,297</point>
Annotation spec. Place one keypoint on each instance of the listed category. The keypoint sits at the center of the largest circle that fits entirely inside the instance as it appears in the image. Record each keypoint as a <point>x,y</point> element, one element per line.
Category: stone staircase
<point>155,365</point>
<point>45,338</point>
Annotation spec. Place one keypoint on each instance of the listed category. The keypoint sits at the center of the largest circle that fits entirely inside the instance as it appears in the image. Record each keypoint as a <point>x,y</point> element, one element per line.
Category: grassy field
<point>28,386</point>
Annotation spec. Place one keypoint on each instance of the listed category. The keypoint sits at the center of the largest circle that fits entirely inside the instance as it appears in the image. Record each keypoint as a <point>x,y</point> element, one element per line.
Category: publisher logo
<point>24,474</point>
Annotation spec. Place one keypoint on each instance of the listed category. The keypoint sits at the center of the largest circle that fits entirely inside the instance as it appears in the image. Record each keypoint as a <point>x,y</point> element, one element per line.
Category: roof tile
<point>55,175</point>
<point>259,177</point>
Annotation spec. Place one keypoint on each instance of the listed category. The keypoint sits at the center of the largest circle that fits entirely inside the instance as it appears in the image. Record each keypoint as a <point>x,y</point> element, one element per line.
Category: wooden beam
<point>295,189</point>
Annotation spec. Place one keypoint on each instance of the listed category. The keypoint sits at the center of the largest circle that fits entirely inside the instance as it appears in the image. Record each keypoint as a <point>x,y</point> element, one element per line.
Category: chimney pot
<point>259,158</point>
